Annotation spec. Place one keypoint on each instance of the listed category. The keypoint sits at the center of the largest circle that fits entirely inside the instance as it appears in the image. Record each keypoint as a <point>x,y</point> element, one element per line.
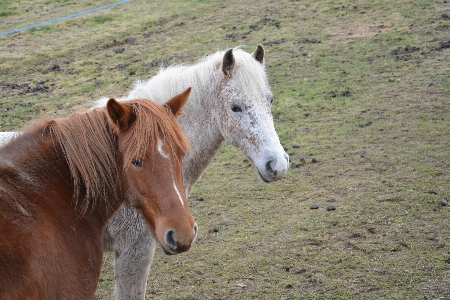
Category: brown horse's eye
<point>137,163</point>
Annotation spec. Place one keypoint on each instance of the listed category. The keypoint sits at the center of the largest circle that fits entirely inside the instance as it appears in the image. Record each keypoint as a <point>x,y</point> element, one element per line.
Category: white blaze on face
<point>160,149</point>
<point>164,154</point>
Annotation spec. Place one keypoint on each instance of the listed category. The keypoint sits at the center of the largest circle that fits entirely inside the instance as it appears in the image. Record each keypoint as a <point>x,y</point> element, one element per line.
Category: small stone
<point>314,206</point>
<point>331,207</point>
<point>289,286</point>
<point>200,198</point>
<point>444,202</point>
<point>216,229</point>
<point>118,50</point>
<point>314,160</point>
<point>295,146</point>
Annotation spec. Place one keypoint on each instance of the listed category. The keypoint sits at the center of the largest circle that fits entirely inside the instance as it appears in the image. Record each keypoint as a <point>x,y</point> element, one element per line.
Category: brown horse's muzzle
<point>175,243</point>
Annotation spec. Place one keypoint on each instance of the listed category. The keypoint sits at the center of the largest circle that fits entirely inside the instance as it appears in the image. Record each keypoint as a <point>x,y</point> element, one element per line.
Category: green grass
<point>102,19</point>
<point>370,102</point>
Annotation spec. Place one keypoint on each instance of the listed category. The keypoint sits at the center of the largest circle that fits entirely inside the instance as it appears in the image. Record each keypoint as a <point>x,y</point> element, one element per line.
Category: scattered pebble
<point>216,229</point>
<point>443,202</point>
<point>314,160</point>
<point>331,207</point>
<point>200,198</point>
<point>296,165</point>
<point>314,206</point>
<point>295,146</point>
<point>118,50</point>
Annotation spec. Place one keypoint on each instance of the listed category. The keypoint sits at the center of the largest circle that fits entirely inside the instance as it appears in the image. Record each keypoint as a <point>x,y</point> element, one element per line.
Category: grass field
<point>363,87</point>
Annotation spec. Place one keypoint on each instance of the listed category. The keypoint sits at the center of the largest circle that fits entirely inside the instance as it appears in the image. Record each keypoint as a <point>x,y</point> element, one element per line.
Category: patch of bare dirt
<point>436,288</point>
<point>441,8</point>
<point>359,30</point>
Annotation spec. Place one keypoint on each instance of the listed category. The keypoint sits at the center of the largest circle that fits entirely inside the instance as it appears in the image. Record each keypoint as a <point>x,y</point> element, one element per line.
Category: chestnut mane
<point>91,150</point>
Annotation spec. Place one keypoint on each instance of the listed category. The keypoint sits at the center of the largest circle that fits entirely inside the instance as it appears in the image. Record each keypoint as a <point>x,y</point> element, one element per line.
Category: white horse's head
<point>243,113</point>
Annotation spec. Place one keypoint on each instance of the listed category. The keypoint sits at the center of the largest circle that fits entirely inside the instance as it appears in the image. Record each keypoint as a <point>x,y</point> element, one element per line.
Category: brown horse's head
<point>152,147</point>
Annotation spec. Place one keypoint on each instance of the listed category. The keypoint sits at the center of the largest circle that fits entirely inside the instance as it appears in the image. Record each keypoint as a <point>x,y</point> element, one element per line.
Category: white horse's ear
<point>258,54</point>
<point>122,116</point>
<point>228,62</point>
<point>176,103</point>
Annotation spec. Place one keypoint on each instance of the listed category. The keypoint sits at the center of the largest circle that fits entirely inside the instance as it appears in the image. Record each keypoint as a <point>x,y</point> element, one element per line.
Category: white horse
<point>230,101</point>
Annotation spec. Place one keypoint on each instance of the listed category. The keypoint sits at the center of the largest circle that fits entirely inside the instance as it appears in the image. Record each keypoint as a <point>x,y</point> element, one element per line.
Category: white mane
<point>248,73</point>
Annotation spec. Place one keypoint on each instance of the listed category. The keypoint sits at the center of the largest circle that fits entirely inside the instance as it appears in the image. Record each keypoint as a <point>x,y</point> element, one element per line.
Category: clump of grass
<point>100,19</point>
<point>9,12</point>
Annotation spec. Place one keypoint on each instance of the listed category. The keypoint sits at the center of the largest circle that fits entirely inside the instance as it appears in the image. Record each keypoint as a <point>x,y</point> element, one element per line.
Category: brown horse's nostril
<point>170,239</point>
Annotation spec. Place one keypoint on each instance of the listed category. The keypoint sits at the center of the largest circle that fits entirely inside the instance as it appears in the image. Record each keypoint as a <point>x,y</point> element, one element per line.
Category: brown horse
<point>62,179</point>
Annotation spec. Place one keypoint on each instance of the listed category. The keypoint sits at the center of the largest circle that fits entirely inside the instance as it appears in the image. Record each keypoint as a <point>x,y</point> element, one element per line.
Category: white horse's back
<point>6,137</point>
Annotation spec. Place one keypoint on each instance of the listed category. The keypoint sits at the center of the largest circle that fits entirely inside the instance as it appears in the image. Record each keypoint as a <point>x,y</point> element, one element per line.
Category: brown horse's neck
<point>36,163</point>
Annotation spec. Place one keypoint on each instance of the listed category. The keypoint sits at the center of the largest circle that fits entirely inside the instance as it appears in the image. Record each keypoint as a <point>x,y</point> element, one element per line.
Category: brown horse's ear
<point>228,62</point>
<point>258,54</point>
<point>121,115</point>
<point>176,103</point>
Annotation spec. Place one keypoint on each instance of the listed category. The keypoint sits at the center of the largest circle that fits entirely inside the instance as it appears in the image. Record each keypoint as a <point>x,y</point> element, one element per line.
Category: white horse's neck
<point>197,122</point>
<point>205,140</point>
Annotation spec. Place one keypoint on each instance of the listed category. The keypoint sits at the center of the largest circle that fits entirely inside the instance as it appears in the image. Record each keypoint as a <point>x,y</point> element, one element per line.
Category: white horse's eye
<point>137,163</point>
<point>236,108</point>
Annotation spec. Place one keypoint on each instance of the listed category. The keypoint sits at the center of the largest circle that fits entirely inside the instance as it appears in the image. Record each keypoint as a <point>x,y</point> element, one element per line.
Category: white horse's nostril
<point>270,167</point>
<point>195,229</point>
<point>286,156</point>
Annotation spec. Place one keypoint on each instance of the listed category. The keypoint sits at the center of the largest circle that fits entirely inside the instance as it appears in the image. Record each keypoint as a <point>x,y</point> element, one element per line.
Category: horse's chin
<point>167,252</point>
<point>264,178</point>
